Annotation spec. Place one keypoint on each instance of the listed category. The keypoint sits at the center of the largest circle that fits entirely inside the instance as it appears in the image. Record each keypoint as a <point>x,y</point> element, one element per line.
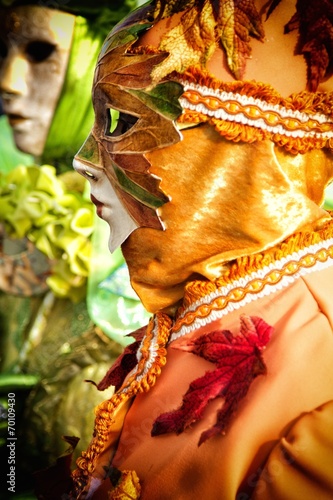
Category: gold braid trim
<point>244,266</point>
<point>305,101</point>
<point>153,351</point>
<point>246,114</point>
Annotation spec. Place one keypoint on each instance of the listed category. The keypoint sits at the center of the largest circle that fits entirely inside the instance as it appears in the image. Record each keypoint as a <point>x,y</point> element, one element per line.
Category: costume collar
<point>253,277</point>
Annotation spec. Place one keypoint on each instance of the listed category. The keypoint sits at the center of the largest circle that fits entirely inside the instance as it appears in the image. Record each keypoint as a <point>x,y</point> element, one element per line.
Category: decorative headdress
<point>175,74</point>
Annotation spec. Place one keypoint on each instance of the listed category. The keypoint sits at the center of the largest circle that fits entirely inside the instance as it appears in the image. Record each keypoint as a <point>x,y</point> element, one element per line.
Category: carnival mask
<point>35,45</point>
<point>132,117</point>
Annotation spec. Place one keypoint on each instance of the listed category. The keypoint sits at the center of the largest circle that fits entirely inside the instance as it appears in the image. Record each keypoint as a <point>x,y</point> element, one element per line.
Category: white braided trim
<point>262,105</point>
<point>152,349</point>
<point>252,296</point>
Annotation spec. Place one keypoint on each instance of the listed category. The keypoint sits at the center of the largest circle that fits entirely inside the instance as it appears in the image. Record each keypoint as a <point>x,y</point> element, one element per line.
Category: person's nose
<point>14,76</point>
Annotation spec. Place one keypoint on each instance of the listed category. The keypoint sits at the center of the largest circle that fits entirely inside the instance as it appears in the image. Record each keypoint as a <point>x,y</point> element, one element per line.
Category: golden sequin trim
<point>152,357</point>
<point>252,278</point>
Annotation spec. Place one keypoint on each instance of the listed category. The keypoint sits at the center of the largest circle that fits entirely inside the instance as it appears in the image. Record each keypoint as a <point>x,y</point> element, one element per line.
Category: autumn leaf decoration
<point>124,365</point>
<point>203,24</point>
<point>238,362</point>
<point>233,23</point>
<point>238,21</point>
<point>314,20</point>
<point>126,484</point>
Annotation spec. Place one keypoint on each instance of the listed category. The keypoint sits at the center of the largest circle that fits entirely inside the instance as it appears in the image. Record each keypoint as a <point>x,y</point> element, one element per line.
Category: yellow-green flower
<point>35,203</point>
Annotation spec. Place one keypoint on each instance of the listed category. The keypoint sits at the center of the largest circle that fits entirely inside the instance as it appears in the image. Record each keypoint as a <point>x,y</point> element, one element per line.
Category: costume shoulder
<point>300,465</point>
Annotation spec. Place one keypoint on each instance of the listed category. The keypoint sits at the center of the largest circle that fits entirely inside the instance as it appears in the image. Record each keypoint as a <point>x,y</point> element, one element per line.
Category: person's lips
<point>98,204</point>
<point>15,120</point>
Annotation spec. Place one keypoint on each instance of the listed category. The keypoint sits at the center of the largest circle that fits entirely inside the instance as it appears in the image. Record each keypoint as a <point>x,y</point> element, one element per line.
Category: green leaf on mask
<point>137,191</point>
<point>163,98</point>
<point>124,37</point>
<point>89,151</point>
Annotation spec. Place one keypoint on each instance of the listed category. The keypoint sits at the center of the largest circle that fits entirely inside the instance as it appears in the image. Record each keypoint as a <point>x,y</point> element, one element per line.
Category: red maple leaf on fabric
<point>239,361</point>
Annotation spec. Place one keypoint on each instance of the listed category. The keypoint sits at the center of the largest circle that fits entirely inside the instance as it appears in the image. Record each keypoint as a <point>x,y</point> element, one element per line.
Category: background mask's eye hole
<point>3,50</point>
<point>39,51</point>
<point>117,123</point>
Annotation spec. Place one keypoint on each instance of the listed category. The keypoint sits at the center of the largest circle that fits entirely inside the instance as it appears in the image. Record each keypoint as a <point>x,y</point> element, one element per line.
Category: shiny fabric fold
<point>239,463</point>
<point>300,465</point>
<point>252,196</point>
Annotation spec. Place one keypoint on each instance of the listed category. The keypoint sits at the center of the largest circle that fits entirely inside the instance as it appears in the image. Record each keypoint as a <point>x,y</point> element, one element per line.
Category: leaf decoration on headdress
<point>314,19</point>
<point>239,361</point>
<point>166,8</point>
<point>238,20</point>
<point>190,43</point>
<point>234,22</point>
<point>204,22</point>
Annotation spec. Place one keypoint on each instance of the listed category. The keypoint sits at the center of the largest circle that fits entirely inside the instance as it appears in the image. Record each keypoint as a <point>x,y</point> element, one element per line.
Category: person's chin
<point>25,142</point>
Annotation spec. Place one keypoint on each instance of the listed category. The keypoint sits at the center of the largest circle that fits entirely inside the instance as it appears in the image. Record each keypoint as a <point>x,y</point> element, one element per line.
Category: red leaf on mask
<point>239,361</point>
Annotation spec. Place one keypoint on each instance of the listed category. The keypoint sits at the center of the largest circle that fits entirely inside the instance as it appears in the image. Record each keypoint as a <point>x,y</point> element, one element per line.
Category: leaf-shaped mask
<point>132,117</point>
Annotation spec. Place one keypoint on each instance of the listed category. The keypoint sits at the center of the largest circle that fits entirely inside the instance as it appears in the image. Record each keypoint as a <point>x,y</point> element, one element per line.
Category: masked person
<point>212,178</point>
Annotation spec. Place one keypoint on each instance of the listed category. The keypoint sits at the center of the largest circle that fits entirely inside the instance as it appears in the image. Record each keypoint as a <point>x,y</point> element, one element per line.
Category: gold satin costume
<point>244,234</point>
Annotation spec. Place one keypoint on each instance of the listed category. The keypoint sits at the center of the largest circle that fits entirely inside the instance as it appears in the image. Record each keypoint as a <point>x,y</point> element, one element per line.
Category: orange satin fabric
<point>227,200</point>
<point>299,378</point>
<point>302,456</point>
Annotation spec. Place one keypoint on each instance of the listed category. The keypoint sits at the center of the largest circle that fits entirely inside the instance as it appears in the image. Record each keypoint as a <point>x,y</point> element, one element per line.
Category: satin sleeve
<point>301,464</point>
